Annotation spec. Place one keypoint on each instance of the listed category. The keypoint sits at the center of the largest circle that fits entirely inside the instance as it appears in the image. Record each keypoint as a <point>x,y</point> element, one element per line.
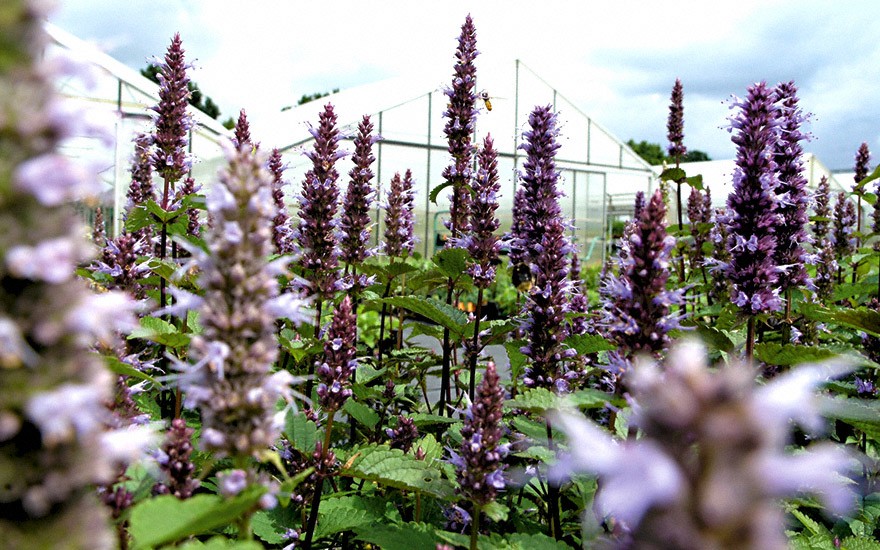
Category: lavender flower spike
<point>822,209</point>
<point>638,305</point>
<point>354,223</point>
<point>173,123</point>
<point>281,230</point>
<point>675,123</point>
<point>316,234</point>
<point>54,442</point>
<point>338,362</point>
<point>399,240</point>
<point>482,242</point>
<point>792,200</point>
<point>712,462</point>
<point>175,462</point>
<point>479,468</point>
<point>752,204</point>
<point>844,224</point>
<point>230,380</point>
<point>462,116</point>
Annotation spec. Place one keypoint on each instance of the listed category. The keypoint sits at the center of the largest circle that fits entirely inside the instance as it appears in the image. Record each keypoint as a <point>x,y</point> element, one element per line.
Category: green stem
<point>750,339</point>
<point>472,381</point>
<point>319,486</point>
<point>553,495</point>
<point>311,382</point>
<point>475,526</point>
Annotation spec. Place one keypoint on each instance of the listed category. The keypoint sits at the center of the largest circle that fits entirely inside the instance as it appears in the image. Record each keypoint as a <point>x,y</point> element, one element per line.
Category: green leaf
<point>695,182</point>
<point>536,541</point>
<point>432,448</point>
<point>300,431</point>
<point>811,525</point>
<point>515,357</point>
<point>496,511</point>
<point>391,467</point>
<point>118,367</point>
<point>714,339</point>
<point>673,174</point>
<point>774,353</point>
<point>436,190</point>
<point>452,261</point>
<point>386,536</point>
<point>586,344</point>
<point>871,177</point>
<point>541,399</point>
<point>424,419</point>
<point>346,513</point>
<point>859,543</point>
<point>166,519</point>
<point>160,331</point>
<point>270,525</point>
<point>160,214</point>
<point>861,319</point>
<point>362,413</point>
<point>137,219</point>
<point>222,543</point>
<point>439,312</point>
<point>163,268</point>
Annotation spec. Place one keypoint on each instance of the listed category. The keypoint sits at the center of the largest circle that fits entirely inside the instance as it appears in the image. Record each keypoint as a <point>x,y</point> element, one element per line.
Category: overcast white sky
<point>615,59</point>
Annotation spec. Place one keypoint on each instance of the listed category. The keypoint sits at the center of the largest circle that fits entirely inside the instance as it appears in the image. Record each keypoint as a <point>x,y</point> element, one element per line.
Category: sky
<point>615,60</point>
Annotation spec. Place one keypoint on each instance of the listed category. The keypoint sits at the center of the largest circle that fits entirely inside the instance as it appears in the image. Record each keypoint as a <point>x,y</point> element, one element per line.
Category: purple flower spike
<point>699,213</point>
<point>462,115</point>
<point>546,308</point>
<point>822,209</point>
<point>404,435</point>
<point>479,468</point>
<point>242,131</point>
<point>826,270</point>
<point>189,188</point>
<point>637,304</point>
<point>399,217</point>
<point>540,196</point>
<point>230,381</point>
<point>141,188</point>
<point>713,458</point>
<point>354,224</point>
<point>675,123</point>
<point>58,438</point>
<point>316,234</point>
<point>482,243</point>
<point>339,359</point>
<point>281,229</point>
<point>791,195</point>
<point>752,204</point>
<point>863,157</point>
<point>844,225</point>
<point>579,303</point>
<point>173,123</point>
<point>175,462</point>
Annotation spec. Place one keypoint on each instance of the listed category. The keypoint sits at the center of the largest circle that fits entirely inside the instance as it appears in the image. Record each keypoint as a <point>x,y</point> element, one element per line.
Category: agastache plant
<point>791,196</point>
<point>712,461</point>
<point>354,223</point>
<point>54,444</point>
<point>230,380</point>
<point>822,210</point>
<point>638,313</point>
<point>863,157</point>
<point>482,242</point>
<point>675,135</point>
<point>399,223</point>
<point>461,115</point>
<point>479,467</point>
<point>752,218</point>
<point>842,235</point>
<point>281,230</point>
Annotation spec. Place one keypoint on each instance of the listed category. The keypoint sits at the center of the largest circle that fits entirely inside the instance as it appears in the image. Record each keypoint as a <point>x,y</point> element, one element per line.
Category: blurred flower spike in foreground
<point>711,463</point>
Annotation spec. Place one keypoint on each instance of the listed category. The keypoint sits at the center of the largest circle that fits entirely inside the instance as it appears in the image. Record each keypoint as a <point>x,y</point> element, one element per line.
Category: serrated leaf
<point>270,525</point>
<point>859,543</point>
<point>695,182</point>
<point>439,312</point>
<point>774,353</point>
<point>714,339</point>
<point>432,448</point>
<point>346,513</point>
<point>160,214</point>
<point>496,511</point>
<point>160,331</point>
<point>398,537</point>
<point>166,519</point>
<point>138,218</point>
<point>391,467</point>
<point>861,319</point>
<point>586,344</point>
<point>362,413</point>
<point>222,543</point>
<point>811,525</point>
<point>534,541</point>
<point>452,262</point>
<point>424,419</point>
<point>300,431</point>
<point>540,400</point>
<point>515,357</point>
<point>871,177</point>
<point>432,196</point>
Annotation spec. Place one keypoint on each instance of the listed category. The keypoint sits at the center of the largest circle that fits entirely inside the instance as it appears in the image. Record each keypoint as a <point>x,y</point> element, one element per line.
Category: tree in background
<point>653,153</point>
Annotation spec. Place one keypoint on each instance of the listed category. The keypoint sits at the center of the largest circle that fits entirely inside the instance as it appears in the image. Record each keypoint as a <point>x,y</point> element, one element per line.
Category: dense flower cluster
<point>338,363</point>
<point>844,225</point>
<point>230,380</point>
<point>281,230</point>
<point>579,304</point>
<point>699,209</point>
<point>675,123</point>
<point>637,304</point>
<point>354,224</point>
<point>752,205</point>
<point>404,435</point>
<point>712,461</point>
<point>791,191</point>
<point>170,159</point>
<point>54,445</point>
<point>479,468</point>
<point>539,203</point>
<point>720,289</point>
<point>399,223</point>
<point>481,241</point>
<point>316,234</point>
<point>462,117</point>
<point>822,209</point>
<point>175,461</point>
